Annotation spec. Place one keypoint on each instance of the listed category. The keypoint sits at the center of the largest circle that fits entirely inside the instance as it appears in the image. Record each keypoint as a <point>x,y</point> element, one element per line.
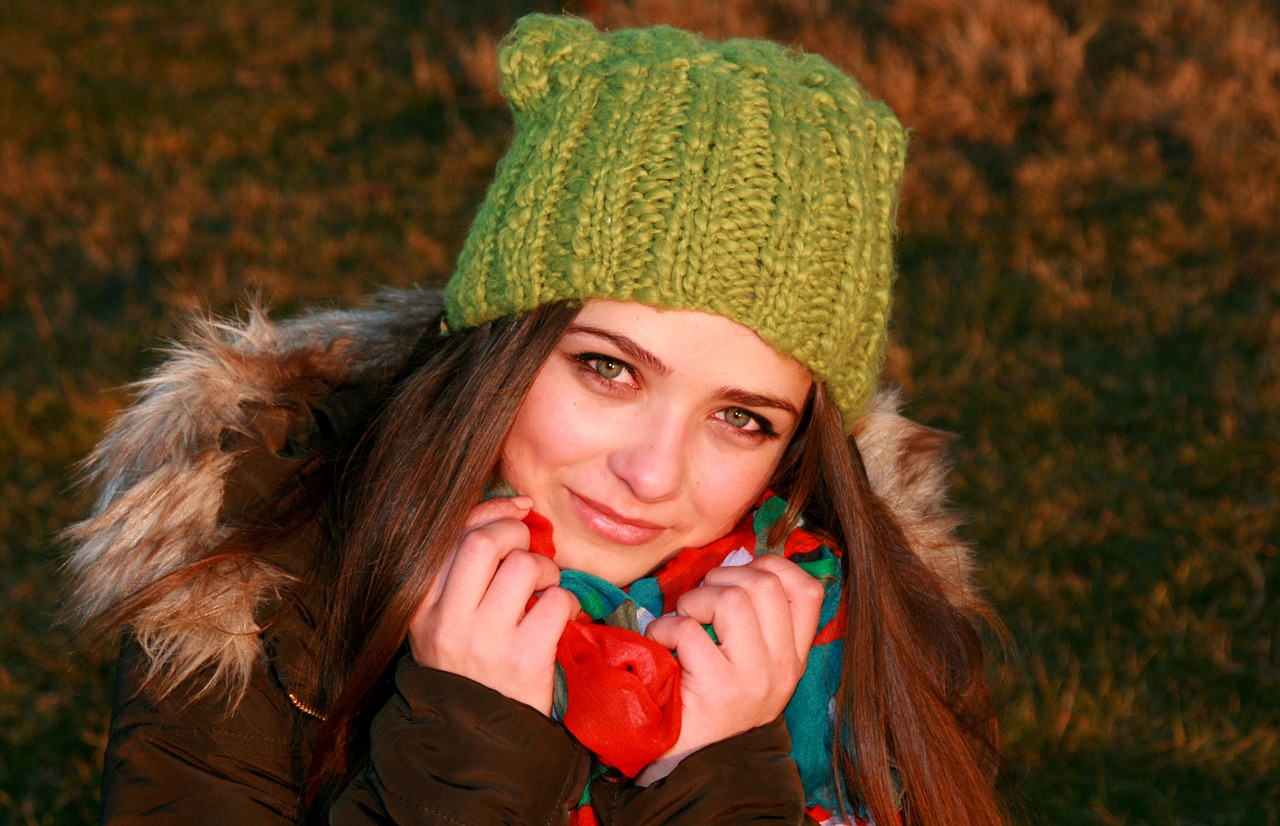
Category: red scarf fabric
<point>618,692</point>
<point>625,688</point>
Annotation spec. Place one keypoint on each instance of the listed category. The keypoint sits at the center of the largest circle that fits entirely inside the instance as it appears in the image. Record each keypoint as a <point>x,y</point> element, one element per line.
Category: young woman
<point>617,535</point>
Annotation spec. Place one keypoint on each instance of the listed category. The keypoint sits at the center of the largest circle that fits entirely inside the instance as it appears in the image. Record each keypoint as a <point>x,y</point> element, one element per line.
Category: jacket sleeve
<point>176,761</point>
<point>746,779</point>
<point>447,750</point>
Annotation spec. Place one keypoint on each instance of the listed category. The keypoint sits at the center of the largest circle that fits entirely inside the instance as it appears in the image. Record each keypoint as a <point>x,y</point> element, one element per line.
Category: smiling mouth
<point>612,526</point>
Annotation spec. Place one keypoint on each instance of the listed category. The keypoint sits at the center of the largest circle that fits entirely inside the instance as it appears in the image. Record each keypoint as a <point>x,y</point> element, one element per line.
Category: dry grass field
<point>1089,297</point>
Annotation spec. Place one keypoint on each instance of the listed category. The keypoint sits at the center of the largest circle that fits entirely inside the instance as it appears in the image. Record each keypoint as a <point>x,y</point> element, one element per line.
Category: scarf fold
<point>618,692</point>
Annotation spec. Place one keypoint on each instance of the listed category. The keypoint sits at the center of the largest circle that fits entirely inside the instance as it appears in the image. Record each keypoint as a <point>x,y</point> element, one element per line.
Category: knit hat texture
<point>739,178</point>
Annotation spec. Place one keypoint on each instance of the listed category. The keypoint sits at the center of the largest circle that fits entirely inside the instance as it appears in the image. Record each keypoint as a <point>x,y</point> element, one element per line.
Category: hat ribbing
<point>737,178</point>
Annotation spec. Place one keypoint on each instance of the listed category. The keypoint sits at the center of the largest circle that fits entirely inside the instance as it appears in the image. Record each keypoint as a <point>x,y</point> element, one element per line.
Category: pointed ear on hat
<point>544,55</point>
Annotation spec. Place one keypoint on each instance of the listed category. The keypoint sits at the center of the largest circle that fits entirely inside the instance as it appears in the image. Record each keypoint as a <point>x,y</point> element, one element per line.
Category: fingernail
<point>522,501</point>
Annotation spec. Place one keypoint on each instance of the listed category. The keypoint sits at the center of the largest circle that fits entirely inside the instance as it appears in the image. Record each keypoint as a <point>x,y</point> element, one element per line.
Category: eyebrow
<point>633,351</point>
<point>746,398</point>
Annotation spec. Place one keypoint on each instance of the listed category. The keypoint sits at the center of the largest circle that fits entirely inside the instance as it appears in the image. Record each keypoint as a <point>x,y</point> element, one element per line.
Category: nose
<point>651,457</point>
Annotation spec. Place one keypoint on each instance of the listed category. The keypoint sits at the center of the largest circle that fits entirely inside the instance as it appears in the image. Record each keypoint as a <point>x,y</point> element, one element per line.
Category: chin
<point>618,566</point>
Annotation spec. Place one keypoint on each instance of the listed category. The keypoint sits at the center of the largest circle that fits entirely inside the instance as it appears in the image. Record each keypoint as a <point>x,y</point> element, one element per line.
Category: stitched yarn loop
<point>740,178</point>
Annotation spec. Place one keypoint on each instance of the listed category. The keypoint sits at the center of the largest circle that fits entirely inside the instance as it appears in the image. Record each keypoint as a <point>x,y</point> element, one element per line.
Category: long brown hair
<point>912,699</point>
<point>429,454</point>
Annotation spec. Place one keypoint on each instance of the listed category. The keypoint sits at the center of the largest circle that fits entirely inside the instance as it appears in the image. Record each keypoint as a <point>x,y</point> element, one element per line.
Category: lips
<point>610,525</point>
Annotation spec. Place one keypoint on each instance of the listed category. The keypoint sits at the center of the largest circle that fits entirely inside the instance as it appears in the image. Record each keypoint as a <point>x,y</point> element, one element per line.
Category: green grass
<point>1090,298</point>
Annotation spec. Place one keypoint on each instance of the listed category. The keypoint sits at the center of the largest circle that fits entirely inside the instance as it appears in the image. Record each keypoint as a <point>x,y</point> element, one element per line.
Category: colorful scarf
<point>618,692</point>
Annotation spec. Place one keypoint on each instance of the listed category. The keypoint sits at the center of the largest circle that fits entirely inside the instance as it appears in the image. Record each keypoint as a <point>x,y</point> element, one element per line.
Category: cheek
<point>530,444</point>
<point>550,431</point>
<point>728,486</point>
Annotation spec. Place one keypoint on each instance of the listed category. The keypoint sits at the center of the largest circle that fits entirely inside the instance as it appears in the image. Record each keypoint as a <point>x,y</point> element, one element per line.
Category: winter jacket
<point>214,718</point>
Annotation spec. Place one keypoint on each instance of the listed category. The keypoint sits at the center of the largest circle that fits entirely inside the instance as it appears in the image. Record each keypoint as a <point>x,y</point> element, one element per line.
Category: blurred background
<point>1089,297</point>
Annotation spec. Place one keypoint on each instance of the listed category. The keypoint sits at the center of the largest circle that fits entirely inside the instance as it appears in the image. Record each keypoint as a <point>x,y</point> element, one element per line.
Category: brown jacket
<point>224,728</point>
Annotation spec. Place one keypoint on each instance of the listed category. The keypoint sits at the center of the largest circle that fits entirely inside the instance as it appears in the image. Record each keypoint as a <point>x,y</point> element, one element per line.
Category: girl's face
<point>648,431</point>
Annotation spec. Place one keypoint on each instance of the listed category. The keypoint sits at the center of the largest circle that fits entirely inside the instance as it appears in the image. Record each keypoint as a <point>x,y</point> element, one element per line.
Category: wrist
<point>659,769</point>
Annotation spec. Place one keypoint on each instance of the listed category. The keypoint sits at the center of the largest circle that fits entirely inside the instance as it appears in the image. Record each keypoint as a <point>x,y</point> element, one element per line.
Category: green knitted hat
<point>737,178</point>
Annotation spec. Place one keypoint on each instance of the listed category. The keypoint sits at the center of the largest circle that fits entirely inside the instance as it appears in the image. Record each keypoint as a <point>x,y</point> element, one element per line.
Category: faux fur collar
<point>232,388</point>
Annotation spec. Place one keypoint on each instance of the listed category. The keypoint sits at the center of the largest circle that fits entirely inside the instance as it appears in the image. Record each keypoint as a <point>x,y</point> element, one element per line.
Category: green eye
<point>608,368</point>
<point>738,417</point>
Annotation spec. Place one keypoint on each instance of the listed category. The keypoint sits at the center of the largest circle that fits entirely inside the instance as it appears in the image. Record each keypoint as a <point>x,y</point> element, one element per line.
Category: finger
<point>686,637</point>
<point>769,605</point>
<point>500,507</point>
<point>476,560</point>
<point>550,614</point>
<point>804,594</point>
<point>516,507</point>
<point>728,609</point>
<point>518,576</point>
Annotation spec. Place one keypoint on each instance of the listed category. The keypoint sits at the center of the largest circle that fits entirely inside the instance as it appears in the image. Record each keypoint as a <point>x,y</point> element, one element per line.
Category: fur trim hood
<point>170,469</point>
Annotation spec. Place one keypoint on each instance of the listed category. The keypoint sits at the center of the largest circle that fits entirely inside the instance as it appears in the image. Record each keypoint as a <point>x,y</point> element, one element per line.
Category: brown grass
<point>1090,297</point>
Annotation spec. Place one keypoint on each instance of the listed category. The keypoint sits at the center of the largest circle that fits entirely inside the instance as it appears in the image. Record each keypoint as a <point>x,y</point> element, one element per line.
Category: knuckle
<point>761,587</point>
<point>479,541</point>
<point>484,513</point>
<point>689,629</point>
<point>771,562</point>
<point>771,582</point>
<point>522,564</point>
<point>561,599</point>
<point>726,574</point>
<point>494,539</point>
<point>735,597</point>
<point>811,589</point>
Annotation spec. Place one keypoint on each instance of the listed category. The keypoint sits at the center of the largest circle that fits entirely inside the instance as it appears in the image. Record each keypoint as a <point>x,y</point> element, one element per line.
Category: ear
<point>544,54</point>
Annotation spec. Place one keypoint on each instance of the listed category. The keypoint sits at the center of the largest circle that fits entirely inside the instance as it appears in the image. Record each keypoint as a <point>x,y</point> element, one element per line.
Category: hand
<point>473,620</point>
<point>765,614</point>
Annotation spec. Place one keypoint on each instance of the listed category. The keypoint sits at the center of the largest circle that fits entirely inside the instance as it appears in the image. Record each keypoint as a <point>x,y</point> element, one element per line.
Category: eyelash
<point>763,425</point>
<point>590,363</point>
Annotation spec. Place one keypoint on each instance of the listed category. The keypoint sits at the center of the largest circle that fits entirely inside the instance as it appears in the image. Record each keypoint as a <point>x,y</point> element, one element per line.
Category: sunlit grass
<point>1090,298</point>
